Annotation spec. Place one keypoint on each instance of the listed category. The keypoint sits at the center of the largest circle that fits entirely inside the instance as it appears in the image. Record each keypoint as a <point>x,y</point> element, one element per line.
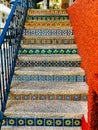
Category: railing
<point>9,45</point>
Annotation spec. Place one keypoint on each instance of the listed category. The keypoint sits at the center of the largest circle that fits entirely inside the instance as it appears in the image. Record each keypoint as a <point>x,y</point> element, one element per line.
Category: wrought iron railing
<point>9,45</point>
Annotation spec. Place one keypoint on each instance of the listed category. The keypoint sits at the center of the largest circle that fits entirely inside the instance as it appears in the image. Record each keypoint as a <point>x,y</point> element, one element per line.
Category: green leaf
<point>62,51</point>
<point>37,51</point>
<point>74,51</point>
<point>31,52</point>
<point>68,52</point>
<point>43,51</point>
<point>49,51</point>
<point>19,52</point>
<point>24,51</point>
<point>55,51</point>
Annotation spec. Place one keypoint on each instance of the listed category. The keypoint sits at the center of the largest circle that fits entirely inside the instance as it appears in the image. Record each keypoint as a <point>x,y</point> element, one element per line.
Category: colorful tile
<point>49,41</point>
<point>20,63</point>
<point>49,122</point>
<point>40,96</point>
<point>46,78</point>
<point>47,51</point>
<point>56,122</point>
<point>48,32</point>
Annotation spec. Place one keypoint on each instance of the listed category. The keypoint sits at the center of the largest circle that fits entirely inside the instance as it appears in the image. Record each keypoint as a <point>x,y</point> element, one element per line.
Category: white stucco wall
<point>6,11</point>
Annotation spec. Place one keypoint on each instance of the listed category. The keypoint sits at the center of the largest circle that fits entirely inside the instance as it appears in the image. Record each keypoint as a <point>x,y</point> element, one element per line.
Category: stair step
<point>50,71</point>
<point>67,31</point>
<point>48,40</point>
<point>68,74</point>
<point>48,60</point>
<point>46,109</point>
<point>48,91</point>
<point>47,24</point>
<point>39,128</point>
<point>47,46</point>
<point>56,57</point>
<point>48,49</point>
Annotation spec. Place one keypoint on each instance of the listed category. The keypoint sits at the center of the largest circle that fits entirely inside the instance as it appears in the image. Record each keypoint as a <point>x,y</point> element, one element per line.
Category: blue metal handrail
<point>9,45</point>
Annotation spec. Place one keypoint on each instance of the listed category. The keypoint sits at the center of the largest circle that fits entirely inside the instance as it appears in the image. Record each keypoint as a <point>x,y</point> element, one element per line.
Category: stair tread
<point>46,108</point>
<point>50,57</point>
<point>40,128</point>
<point>48,20</point>
<point>47,46</point>
<point>49,28</point>
<point>50,37</point>
<point>49,71</point>
<point>51,88</point>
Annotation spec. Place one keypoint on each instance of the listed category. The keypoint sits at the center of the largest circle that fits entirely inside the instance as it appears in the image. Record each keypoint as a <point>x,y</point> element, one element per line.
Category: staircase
<point>48,89</point>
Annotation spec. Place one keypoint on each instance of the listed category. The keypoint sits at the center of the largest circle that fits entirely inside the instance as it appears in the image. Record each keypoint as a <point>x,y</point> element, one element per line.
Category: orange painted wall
<point>84,19</point>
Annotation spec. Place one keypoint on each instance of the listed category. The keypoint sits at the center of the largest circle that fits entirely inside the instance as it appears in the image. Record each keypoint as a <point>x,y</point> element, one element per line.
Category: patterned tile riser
<point>44,12</point>
<point>66,97</point>
<point>48,41</point>
<point>48,25</point>
<point>47,51</point>
<point>43,18</point>
<point>49,122</point>
<point>74,78</point>
<point>48,32</point>
<point>20,63</point>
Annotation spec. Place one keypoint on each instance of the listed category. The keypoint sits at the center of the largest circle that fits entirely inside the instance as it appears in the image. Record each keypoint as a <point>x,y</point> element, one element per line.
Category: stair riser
<point>48,32</point>
<point>47,51</point>
<point>66,97</point>
<point>45,18</point>
<point>38,40</point>
<point>47,122</point>
<point>42,12</point>
<point>48,25</point>
<point>31,78</point>
<point>22,63</point>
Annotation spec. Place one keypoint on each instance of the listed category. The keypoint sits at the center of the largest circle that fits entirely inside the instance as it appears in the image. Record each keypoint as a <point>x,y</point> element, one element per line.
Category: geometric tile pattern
<point>53,78</point>
<point>48,24</point>
<point>48,41</point>
<point>56,122</point>
<point>47,51</point>
<point>34,12</point>
<point>66,97</point>
<point>47,17</point>
<point>48,32</point>
<point>46,63</point>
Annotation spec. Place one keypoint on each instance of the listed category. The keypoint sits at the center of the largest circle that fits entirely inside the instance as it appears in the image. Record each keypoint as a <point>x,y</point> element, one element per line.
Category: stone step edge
<point>50,28</point>
<point>50,37</point>
<point>48,20</point>
<point>47,46</point>
<point>49,71</point>
<point>39,128</point>
<point>48,57</point>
